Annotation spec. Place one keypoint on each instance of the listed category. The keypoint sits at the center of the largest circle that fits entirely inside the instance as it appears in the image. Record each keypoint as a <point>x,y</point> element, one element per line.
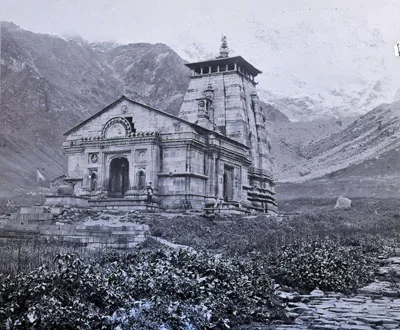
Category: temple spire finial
<point>224,50</point>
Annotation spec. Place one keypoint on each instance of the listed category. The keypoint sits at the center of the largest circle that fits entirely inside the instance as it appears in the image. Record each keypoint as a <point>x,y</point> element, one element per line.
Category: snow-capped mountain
<point>325,64</point>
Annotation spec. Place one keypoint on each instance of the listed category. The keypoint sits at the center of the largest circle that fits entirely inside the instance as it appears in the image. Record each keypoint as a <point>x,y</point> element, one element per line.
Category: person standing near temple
<point>149,191</point>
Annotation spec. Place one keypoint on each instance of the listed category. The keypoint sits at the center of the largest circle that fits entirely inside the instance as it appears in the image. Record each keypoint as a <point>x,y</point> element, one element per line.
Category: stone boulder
<point>317,293</point>
<point>343,203</point>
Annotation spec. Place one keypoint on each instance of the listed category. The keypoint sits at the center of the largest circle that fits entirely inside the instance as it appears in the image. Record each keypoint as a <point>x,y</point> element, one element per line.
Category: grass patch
<point>23,255</point>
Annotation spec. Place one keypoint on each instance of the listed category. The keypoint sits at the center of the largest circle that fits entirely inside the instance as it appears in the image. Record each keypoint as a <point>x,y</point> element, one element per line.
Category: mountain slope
<point>272,114</point>
<point>318,60</point>
<point>288,139</point>
<point>373,136</point>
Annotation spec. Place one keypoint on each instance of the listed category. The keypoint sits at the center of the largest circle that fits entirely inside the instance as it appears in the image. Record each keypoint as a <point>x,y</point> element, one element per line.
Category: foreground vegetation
<point>229,281</point>
<point>144,290</point>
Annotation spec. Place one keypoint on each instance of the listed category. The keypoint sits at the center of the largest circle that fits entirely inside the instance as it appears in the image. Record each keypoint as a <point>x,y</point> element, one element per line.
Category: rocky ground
<point>376,306</point>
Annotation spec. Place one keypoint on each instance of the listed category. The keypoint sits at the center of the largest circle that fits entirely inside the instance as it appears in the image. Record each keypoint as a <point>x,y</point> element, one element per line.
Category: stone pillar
<point>100,172</point>
<point>211,176</point>
<point>219,178</point>
<point>131,159</point>
<point>106,173</point>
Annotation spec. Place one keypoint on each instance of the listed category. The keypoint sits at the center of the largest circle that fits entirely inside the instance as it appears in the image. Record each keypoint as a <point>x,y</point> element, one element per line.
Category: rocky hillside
<point>49,84</point>
<point>289,139</point>
<point>368,148</point>
<point>272,114</point>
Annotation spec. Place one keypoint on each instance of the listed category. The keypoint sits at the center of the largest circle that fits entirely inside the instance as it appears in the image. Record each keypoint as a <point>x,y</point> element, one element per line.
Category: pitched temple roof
<point>123,97</point>
<point>222,59</point>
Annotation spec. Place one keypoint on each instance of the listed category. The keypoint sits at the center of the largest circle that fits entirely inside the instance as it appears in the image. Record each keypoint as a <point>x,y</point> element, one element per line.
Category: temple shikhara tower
<point>214,154</point>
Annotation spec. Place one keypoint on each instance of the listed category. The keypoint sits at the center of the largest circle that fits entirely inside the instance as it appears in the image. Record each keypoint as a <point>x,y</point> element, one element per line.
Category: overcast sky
<point>302,46</point>
<point>167,21</point>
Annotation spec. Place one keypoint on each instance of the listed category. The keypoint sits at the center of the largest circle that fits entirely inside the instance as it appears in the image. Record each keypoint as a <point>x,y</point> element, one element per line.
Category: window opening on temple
<point>141,179</point>
<point>130,120</point>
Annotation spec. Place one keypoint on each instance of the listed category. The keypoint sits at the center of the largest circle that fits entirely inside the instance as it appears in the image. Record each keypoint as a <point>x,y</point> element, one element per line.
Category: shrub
<point>145,290</point>
<point>24,255</point>
<point>73,296</point>
<point>323,264</point>
<point>182,288</point>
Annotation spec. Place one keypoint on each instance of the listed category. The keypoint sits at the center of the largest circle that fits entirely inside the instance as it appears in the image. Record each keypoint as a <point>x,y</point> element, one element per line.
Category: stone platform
<point>122,204</point>
<point>66,201</point>
<point>84,227</point>
<point>225,208</point>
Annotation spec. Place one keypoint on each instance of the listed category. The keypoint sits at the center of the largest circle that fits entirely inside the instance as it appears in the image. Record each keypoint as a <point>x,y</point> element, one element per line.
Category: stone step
<point>33,209</point>
<point>15,217</point>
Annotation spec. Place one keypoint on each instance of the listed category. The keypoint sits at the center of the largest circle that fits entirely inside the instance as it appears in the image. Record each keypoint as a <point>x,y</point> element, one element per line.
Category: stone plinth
<point>66,201</point>
<point>91,234</point>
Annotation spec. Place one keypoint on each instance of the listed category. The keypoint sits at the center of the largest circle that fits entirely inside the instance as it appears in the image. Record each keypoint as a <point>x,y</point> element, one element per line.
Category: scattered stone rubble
<point>376,306</point>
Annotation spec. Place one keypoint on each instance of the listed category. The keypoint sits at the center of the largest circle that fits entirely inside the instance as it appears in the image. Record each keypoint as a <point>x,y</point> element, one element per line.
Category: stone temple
<point>214,154</point>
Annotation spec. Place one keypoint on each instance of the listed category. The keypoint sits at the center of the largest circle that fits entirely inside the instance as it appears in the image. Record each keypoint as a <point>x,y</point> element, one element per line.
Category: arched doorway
<point>118,182</point>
